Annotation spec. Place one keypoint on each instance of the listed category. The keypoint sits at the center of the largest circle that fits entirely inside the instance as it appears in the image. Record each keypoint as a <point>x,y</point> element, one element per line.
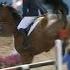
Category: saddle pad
<point>34,25</point>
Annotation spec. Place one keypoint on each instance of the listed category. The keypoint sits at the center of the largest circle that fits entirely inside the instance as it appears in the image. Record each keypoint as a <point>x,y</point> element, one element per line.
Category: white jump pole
<point>58,49</point>
<point>33,65</point>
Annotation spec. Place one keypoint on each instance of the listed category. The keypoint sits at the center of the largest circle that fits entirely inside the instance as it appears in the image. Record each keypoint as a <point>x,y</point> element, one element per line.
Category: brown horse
<point>41,39</point>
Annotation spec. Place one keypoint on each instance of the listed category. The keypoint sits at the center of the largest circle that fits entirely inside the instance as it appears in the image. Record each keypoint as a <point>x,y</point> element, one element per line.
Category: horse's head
<point>9,18</point>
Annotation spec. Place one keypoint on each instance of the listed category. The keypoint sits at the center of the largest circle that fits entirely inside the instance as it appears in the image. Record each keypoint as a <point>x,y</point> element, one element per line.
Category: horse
<point>40,39</point>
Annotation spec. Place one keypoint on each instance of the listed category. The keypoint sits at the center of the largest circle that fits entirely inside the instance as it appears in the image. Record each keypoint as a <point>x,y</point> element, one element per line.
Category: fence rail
<point>33,65</point>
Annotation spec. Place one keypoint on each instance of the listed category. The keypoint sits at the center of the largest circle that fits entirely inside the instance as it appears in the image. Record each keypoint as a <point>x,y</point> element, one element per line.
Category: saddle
<point>28,28</point>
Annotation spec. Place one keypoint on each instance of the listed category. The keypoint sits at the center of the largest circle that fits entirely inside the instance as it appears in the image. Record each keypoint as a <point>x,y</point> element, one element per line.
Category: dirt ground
<point>6,48</point>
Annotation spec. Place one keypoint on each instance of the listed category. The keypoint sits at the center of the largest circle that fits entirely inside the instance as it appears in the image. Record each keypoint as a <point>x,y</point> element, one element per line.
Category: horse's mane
<point>15,14</point>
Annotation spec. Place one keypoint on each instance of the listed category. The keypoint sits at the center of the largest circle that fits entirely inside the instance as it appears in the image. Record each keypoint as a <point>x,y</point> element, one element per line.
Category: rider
<point>31,10</point>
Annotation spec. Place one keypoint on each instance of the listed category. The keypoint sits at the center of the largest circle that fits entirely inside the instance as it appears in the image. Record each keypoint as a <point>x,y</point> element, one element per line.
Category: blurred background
<point>17,4</point>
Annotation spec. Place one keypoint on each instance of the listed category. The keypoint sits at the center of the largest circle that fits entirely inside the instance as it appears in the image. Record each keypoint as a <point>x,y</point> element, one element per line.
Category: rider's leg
<point>25,22</point>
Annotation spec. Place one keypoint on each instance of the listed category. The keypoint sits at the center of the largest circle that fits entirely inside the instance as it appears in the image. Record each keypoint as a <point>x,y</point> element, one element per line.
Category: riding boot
<point>25,38</point>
